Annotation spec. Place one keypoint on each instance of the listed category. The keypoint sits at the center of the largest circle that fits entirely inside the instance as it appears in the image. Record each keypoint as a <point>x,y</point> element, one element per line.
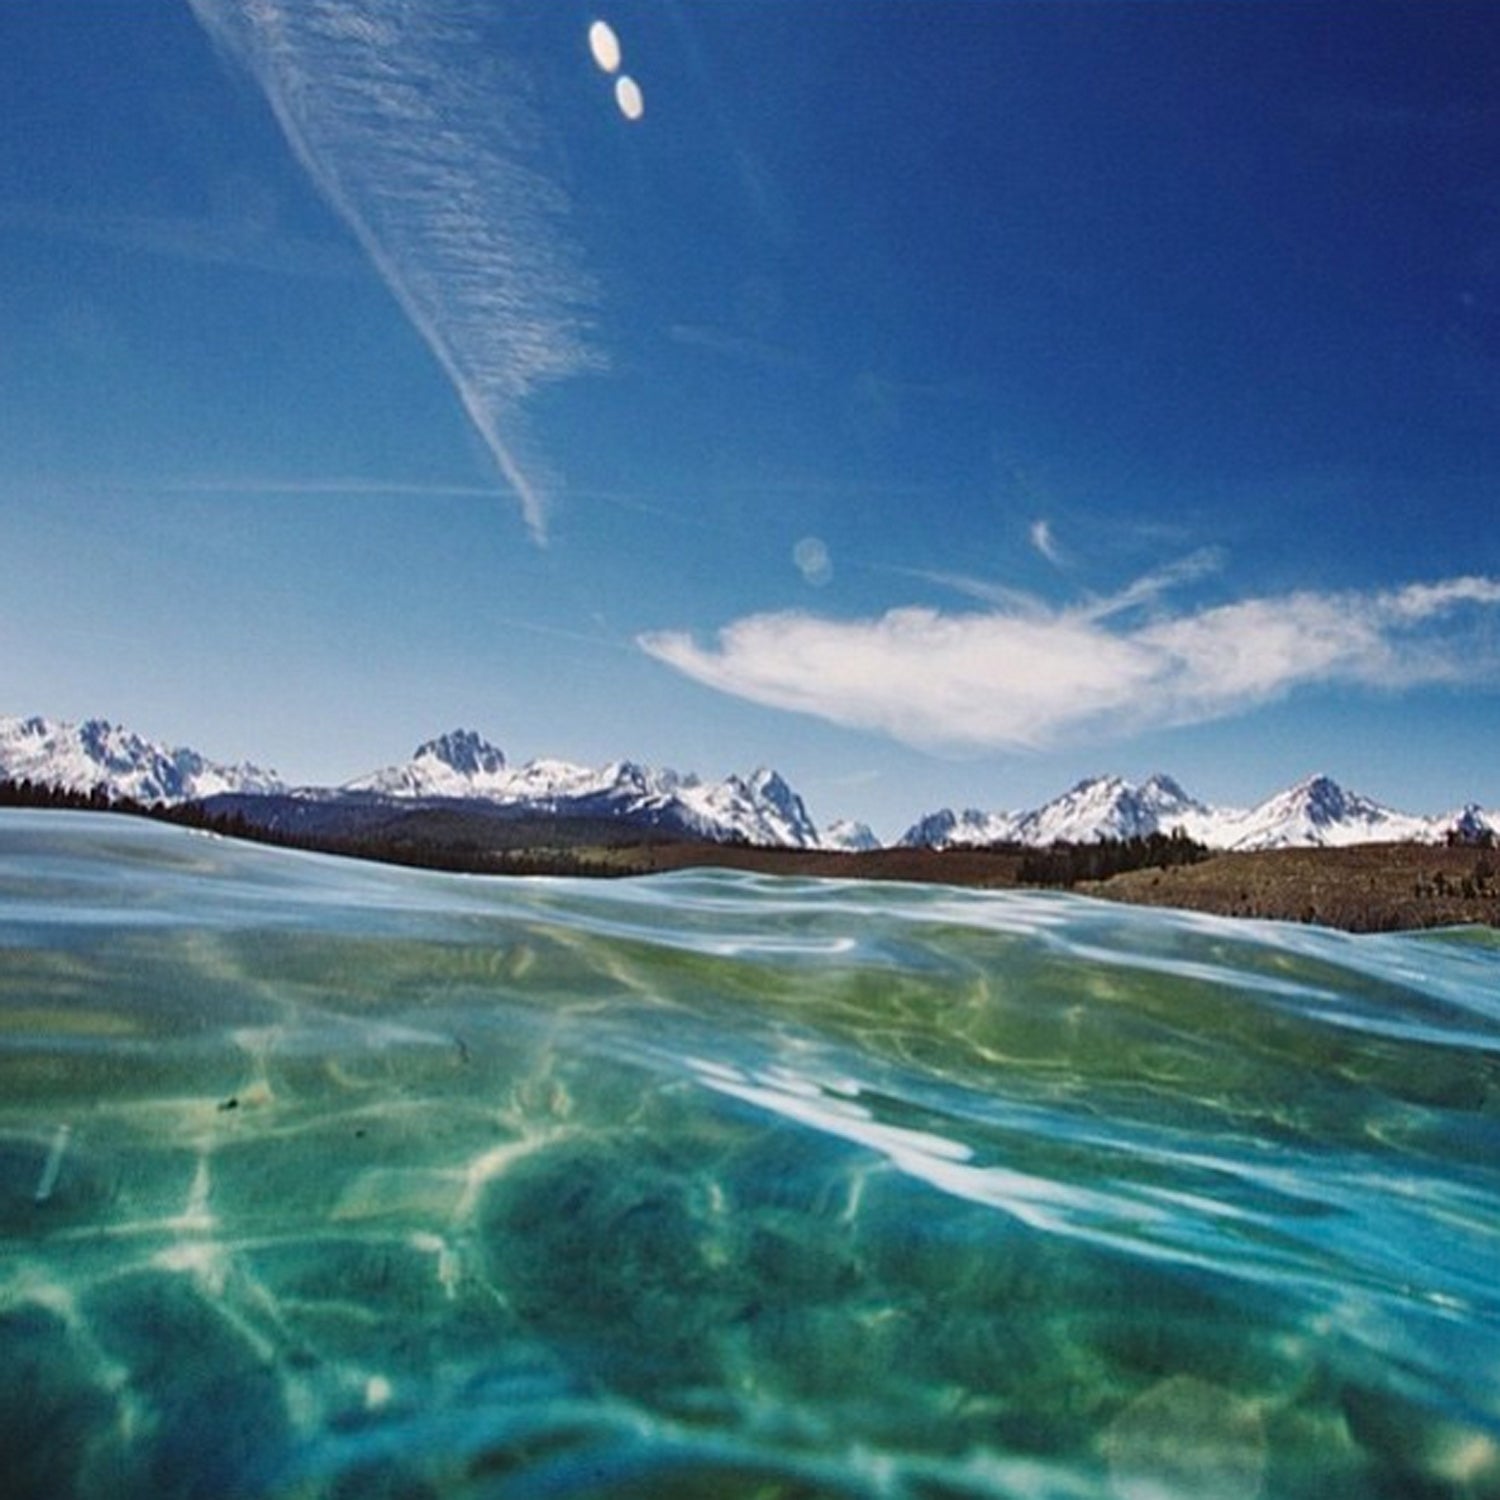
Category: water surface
<point>326,1179</point>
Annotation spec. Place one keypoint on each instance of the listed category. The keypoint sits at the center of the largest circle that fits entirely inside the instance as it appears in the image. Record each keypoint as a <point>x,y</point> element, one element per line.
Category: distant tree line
<point>1065,864</point>
<point>28,793</point>
<point>455,857</point>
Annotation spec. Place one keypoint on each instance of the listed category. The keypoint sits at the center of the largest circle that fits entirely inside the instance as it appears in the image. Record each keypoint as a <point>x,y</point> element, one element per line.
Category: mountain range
<point>760,808</point>
<point>463,767</point>
<point>1316,812</point>
<point>79,757</point>
<point>459,767</point>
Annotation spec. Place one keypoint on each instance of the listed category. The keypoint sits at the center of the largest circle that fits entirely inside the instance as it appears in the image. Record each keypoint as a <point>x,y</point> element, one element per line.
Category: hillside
<point>1364,888</point>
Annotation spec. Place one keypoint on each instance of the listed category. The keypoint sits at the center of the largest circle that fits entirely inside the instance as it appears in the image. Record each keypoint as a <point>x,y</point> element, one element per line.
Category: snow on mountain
<point>1101,807</point>
<point>946,829</point>
<point>847,835</point>
<point>1110,807</point>
<point>760,809</point>
<point>1317,811</point>
<point>458,764</point>
<point>81,757</point>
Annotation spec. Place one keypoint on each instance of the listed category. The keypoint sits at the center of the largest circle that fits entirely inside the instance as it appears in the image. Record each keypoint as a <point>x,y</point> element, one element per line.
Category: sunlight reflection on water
<point>317,1178</point>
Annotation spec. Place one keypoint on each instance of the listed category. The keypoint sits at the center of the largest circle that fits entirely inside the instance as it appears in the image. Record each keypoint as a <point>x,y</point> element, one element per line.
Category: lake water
<point>326,1179</point>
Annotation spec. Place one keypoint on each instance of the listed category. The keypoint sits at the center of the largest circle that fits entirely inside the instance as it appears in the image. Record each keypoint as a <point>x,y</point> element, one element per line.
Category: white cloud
<point>1419,601</point>
<point>1044,542</point>
<point>1012,680</point>
<point>423,142</point>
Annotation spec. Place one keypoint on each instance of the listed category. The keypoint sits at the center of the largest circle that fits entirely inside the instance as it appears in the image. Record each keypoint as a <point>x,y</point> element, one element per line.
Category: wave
<point>319,1177</point>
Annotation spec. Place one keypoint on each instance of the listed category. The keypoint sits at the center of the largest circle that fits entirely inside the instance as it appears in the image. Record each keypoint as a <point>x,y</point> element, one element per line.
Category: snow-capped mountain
<point>946,829</point>
<point>81,757</point>
<point>1110,807</point>
<point>1316,811</point>
<point>760,809</point>
<point>1101,807</point>
<point>847,835</point>
<point>458,764</point>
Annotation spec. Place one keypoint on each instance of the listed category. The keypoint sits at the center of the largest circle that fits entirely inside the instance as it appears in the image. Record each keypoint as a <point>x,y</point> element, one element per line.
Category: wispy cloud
<point>1044,542</point>
<point>425,144</point>
<point>1137,594</point>
<point>1151,586</point>
<point>1013,601</point>
<point>1028,679</point>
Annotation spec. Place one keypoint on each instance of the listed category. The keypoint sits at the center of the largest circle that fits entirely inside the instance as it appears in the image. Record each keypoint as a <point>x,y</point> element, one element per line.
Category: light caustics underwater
<point>326,1179</point>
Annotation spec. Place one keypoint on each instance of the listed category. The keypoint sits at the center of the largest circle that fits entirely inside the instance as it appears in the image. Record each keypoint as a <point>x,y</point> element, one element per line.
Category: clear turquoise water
<point>322,1179</point>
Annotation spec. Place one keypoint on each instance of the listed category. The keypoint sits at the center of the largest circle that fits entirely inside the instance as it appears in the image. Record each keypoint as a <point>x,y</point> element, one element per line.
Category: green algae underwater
<point>320,1179</point>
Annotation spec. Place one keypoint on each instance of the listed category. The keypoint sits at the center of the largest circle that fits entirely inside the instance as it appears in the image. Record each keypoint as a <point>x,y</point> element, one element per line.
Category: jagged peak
<point>464,750</point>
<point>642,777</point>
<point>1324,798</point>
<point>771,785</point>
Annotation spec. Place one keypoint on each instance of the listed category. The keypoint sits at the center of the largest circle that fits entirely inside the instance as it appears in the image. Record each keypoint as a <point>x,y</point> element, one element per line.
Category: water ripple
<point>319,1178</point>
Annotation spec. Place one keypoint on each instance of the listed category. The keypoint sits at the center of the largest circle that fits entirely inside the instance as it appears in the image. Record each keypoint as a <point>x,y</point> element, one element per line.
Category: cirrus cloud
<point>1012,679</point>
<point>425,143</point>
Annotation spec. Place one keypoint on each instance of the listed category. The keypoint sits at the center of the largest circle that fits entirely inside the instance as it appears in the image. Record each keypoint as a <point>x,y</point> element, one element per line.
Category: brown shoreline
<point>1363,888</point>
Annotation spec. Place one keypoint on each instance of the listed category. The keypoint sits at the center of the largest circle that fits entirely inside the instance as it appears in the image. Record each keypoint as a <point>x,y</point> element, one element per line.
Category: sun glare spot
<point>629,97</point>
<point>605,46</point>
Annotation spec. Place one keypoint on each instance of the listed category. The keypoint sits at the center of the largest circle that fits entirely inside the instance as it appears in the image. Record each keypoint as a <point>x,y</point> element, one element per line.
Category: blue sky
<point>938,401</point>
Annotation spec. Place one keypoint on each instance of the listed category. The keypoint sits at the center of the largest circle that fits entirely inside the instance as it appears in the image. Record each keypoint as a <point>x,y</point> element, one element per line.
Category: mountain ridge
<point>1315,812</point>
<point>79,757</point>
<point>461,765</point>
<point>761,808</point>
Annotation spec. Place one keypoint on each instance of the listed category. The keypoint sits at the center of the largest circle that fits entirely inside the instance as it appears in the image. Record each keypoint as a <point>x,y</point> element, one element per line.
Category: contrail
<point>419,137</point>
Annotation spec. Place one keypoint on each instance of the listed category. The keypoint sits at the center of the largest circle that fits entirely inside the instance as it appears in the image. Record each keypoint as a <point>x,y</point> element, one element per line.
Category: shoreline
<point>1357,888</point>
